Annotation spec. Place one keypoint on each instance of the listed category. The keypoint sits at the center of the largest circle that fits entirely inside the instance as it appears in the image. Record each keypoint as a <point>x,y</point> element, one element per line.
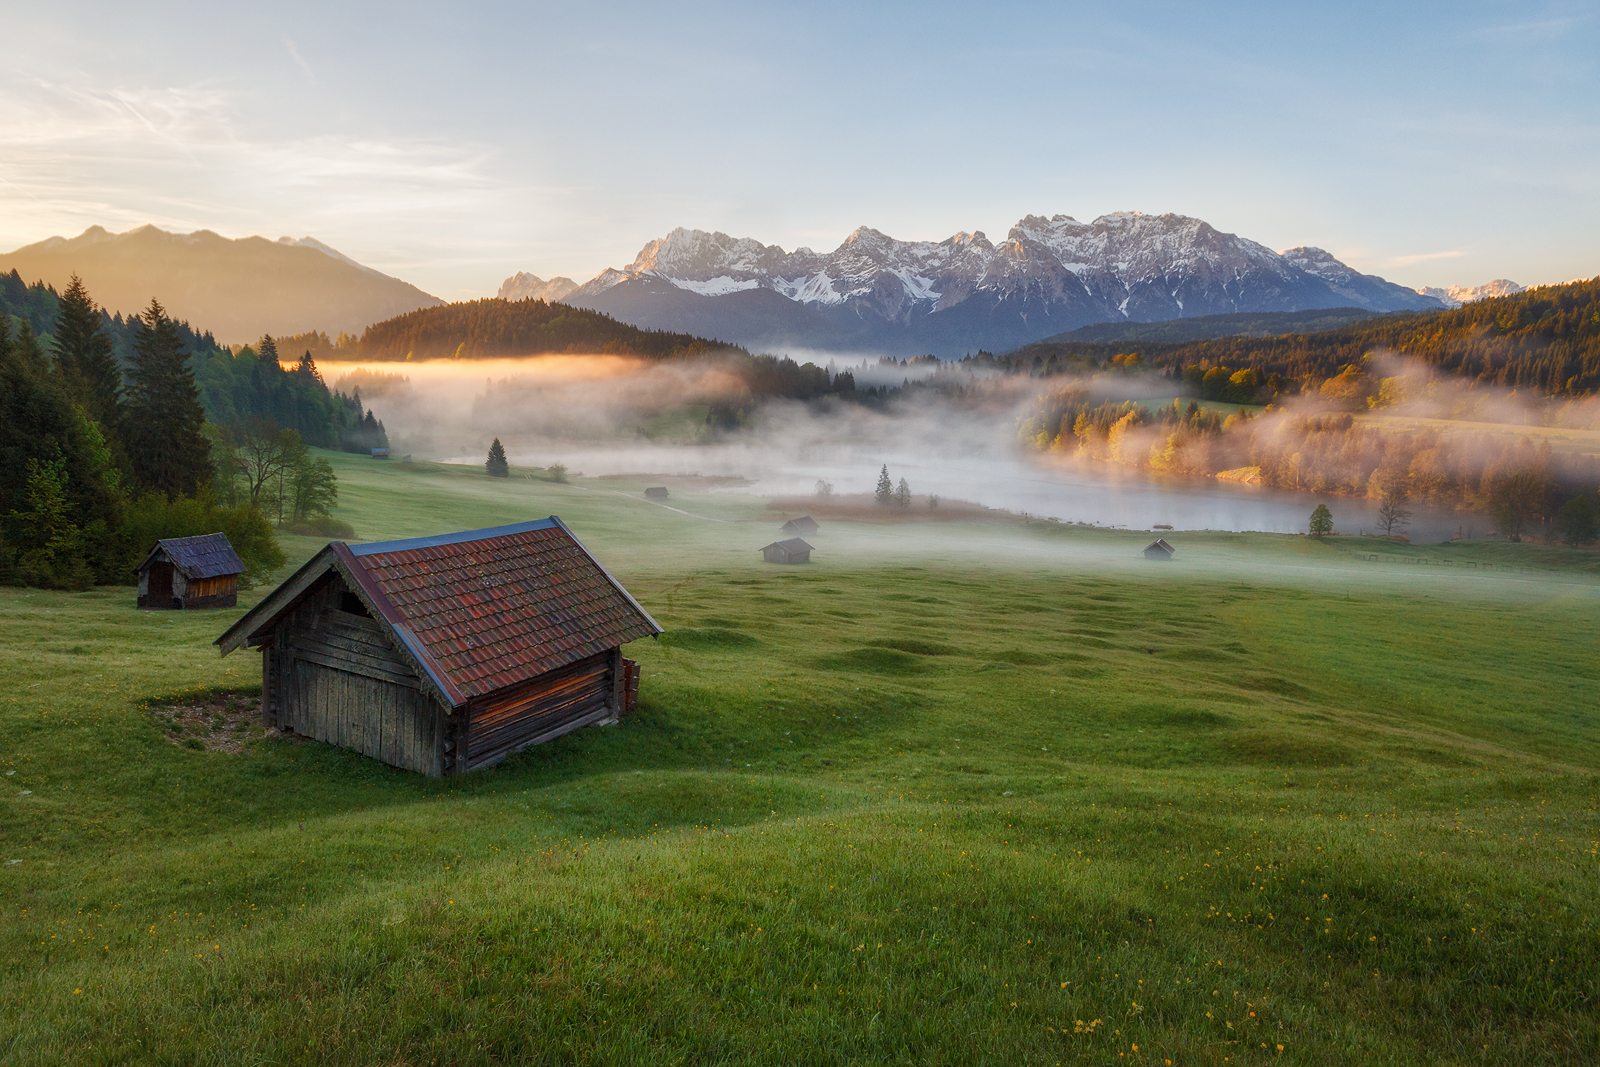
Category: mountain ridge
<point>240,287</point>
<point>1048,275</point>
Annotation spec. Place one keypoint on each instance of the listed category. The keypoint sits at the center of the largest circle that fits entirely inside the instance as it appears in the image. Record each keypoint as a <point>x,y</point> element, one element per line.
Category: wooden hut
<point>804,526</point>
<point>190,572</point>
<point>446,654</point>
<point>1159,550</point>
<point>656,492</point>
<point>380,453</point>
<point>793,550</point>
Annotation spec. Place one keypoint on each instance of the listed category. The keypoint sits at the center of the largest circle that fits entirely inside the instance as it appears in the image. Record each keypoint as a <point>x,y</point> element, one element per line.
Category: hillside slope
<point>1546,340</point>
<point>240,288</point>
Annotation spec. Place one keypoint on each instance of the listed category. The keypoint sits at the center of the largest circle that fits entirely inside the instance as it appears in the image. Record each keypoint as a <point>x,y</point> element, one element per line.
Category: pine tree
<point>84,353</point>
<point>902,494</point>
<point>25,346</point>
<point>307,369</point>
<point>496,464</point>
<point>1321,521</point>
<point>885,491</point>
<point>165,437</point>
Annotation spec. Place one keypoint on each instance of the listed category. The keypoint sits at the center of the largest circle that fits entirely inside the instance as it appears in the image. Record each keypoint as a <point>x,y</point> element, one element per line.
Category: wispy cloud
<point>299,60</point>
<point>181,157</point>
<point>1426,257</point>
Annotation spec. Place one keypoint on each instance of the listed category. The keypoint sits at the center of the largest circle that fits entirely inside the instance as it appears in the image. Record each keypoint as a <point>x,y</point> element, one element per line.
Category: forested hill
<point>1545,341</point>
<point>234,385</point>
<point>38,305</point>
<point>494,327</point>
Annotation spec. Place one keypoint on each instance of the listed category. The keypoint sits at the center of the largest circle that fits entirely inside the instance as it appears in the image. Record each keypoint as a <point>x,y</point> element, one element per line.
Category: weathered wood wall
<point>541,709</point>
<point>221,592</point>
<point>332,675</point>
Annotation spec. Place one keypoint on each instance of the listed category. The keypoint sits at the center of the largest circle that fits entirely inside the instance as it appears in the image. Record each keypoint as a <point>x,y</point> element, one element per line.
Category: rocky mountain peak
<point>1051,273</point>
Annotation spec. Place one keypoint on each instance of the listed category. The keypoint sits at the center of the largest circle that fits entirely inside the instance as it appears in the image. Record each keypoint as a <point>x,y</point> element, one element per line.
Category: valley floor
<point>956,792</point>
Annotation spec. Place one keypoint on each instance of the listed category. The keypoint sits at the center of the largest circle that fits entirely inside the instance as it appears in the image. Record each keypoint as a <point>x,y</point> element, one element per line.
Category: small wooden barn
<point>804,526</point>
<point>380,453</point>
<point>656,492</point>
<point>793,550</point>
<point>1159,550</point>
<point>446,654</point>
<point>190,572</point>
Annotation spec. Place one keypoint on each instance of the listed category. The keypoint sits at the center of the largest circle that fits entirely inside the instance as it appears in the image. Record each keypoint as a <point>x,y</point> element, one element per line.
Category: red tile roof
<point>485,609</point>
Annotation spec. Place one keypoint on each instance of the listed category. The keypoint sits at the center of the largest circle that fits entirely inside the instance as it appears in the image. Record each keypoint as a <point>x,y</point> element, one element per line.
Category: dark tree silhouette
<point>168,450</point>
<point>496,464</point>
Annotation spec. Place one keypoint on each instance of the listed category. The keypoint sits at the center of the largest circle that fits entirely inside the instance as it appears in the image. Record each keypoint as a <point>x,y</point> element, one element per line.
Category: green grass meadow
<point>957,792</point>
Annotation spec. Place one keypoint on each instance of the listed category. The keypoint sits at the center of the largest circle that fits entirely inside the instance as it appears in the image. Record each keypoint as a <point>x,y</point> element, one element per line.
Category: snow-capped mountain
<point>877,294</point>
<point>1360,290</point>
<point>1455,295</point>
<point>524,286</point>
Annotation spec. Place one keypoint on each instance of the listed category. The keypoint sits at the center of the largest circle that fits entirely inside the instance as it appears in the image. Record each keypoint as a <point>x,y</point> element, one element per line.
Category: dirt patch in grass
<point>214,722</point>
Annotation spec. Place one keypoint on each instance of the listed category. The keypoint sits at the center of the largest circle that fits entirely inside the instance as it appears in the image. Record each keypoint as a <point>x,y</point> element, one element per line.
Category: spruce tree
<point>165,437</point>
<point>496,464</point>
<point>84,353</point>
<point>902,494</point>
<point>885,491</point>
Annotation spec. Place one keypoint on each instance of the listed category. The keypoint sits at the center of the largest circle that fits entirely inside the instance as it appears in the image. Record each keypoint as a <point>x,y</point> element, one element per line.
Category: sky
<point>455,144</point>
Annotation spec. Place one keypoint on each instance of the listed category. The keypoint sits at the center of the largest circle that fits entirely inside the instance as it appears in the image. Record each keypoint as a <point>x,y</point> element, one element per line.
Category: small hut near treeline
<point>793,550</point>
<point>446,654</point>
<point>190,572</point>
<point>1159,549</point>
<point>656,492</point>
<point>804,526</point>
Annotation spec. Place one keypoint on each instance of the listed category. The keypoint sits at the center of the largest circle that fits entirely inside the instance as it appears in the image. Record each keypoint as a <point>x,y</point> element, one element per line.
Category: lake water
<point>1015,482</point>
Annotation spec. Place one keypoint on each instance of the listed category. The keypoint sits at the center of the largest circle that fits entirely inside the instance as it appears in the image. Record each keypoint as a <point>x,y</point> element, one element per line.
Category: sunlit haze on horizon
<point>454,146</point>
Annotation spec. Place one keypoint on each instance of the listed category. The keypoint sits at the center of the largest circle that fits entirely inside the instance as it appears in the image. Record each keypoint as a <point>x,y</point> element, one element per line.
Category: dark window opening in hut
<point>160,581</point>
<point>349,602</point>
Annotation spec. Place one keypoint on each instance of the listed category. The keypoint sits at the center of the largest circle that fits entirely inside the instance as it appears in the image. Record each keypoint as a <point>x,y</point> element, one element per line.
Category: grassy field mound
<point>955,792</point>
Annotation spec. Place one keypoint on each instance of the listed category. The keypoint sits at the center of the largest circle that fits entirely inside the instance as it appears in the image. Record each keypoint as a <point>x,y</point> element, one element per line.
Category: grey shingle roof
<point>201,556</point>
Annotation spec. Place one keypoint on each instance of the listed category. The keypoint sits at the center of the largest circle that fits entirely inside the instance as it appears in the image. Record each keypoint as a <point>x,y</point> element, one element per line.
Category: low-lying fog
<point>601,415</point>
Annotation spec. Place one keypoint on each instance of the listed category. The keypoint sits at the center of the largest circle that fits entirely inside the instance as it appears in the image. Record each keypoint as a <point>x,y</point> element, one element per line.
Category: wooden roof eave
<point>382,609</point>
<point>248,630</point>
<point>251,629</point>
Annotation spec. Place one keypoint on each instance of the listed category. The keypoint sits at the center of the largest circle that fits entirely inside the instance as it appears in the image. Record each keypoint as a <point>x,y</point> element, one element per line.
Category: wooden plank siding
<point>334,676</point>
<point>542,708</point>
<point>389,722</point>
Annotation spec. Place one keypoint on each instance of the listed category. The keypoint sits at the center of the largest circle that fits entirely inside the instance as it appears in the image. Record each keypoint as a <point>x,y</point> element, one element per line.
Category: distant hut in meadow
<point>656,492</point>
<point>793,550</point>
<point>804,526</point>
<point>190,572</point>
<point>1159,550</point>
<point>446,654</point>
<point>380,453</point>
